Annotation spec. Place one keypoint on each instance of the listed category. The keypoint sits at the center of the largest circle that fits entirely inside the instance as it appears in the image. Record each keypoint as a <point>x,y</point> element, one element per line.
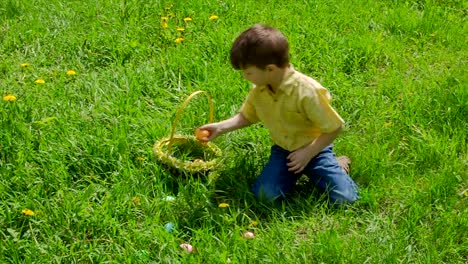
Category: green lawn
<point>76,150</point>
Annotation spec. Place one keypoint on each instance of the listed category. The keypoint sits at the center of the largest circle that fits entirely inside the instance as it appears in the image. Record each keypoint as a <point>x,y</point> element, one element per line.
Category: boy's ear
<point>270,67</point>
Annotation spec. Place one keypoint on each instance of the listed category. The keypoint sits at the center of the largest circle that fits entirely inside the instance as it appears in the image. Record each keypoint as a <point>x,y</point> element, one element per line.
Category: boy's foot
<point>344,162</point>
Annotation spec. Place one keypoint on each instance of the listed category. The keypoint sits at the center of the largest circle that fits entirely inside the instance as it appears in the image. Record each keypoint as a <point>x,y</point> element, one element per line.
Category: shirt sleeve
<point>318,110</point>
<point>248,108</point>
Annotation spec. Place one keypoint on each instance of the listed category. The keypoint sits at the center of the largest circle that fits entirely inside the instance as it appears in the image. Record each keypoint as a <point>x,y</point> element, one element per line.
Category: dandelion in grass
<point>28,212</point>
<point>40,81</point>
<point>180,29</point>
<point>9,98</point>
<point>187,19</point>
<point>253,223</point>
<point>179,40</point>
<point>25,65</point>
<point>213,17</point>
<point>164,23</point>
<point>71,72</point>
<point>223,205</point>
<point>136,200</point>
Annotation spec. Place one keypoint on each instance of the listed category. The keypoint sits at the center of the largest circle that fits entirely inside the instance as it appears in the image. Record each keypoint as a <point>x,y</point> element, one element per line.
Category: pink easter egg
<point>187,247</point>
<point>249,235</point>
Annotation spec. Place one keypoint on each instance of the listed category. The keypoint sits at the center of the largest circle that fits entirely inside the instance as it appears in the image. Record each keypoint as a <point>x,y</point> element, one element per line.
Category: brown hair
<point>259,46</point>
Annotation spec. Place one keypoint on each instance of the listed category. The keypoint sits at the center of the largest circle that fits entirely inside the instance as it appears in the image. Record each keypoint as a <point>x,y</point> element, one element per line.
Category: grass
<point>77,150</point>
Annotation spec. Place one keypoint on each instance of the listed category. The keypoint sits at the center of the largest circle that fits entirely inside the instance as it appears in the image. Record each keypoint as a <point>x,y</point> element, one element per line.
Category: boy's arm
<point>301,157</point>
<point>216,129</point>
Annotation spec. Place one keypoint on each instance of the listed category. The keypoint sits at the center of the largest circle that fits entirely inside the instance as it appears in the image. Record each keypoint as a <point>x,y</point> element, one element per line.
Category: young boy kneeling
<point>297,112</point>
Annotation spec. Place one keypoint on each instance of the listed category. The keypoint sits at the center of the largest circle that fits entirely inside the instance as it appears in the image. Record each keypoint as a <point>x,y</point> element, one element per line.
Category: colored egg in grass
<point>169,227</point>
<point>249,235</point>
<point>187,247</point>
<point>169,198</point>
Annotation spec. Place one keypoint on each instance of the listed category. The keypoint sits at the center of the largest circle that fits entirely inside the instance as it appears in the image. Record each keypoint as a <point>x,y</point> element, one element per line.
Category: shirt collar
<point>287,82</point>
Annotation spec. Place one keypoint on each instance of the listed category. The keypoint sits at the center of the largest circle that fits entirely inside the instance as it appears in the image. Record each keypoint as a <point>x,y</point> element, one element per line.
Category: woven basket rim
<point>187,166</point>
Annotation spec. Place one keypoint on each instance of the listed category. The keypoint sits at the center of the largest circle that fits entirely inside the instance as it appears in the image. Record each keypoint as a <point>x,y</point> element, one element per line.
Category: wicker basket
<point>205,156</point>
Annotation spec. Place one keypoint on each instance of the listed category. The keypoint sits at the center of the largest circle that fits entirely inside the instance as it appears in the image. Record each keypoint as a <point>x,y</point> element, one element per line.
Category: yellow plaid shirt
<point>296,114</point>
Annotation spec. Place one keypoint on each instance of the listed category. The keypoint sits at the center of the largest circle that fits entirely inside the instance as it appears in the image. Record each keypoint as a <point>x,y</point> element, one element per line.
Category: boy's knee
<point>266,193</point>
<point>341,197</point>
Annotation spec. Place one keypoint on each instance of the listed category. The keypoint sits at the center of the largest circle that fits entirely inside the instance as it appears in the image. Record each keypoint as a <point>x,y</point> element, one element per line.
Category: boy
<point>296,110</point>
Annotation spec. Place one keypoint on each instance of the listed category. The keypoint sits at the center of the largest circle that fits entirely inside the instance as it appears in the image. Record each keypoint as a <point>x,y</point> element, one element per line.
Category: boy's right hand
<point>225,126</point>
<point>213,129</point>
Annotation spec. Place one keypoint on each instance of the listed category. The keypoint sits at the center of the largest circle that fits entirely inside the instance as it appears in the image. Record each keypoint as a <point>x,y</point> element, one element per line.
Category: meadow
<point>88,87</point>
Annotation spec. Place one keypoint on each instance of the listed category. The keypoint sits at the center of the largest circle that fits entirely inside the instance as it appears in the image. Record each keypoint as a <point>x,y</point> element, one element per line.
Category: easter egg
<point>169,227</point>
<point>169,198</point>
<point>201,133</point>
<point>249,235</point>
<point>187,247</point>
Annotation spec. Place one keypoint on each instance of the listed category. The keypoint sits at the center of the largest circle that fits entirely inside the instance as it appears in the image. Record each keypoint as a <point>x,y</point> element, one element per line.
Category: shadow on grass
<point>199,197</point>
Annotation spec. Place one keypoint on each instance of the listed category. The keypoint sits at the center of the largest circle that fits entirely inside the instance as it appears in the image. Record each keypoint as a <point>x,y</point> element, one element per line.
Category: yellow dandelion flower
<point>9,98</point>
<point>136,200</point>
<point>28,212</point>
<point>179,40</point>
<point>223,205</point>
<point>40,81</point>
<point>187,19</point>
<point>164,23</point>
<point>214,17</point>
<point>180,29</point>
<point>71,72</point>
<point>25,65</point>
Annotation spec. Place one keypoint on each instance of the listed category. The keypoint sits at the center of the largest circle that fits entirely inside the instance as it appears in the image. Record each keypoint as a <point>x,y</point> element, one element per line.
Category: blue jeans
<point>323,171</point>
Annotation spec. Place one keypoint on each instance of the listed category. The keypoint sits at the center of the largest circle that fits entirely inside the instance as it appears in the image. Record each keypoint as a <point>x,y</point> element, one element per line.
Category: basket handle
<point>182,107</point>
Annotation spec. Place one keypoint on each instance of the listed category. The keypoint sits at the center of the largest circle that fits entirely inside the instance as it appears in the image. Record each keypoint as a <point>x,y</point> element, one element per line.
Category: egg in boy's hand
<point>202,134</point>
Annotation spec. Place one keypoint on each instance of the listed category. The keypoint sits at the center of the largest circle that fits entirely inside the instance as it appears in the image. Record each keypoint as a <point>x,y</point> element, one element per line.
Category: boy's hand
<point>228,125</point>
<point>214,130</point>
<point>299,159</point>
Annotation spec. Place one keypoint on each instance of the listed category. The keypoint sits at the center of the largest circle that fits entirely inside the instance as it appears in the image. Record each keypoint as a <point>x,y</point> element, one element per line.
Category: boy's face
<point>257,76</point>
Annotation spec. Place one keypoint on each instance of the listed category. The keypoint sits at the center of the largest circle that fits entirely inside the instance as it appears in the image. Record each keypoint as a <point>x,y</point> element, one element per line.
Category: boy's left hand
<point>299,159</point>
